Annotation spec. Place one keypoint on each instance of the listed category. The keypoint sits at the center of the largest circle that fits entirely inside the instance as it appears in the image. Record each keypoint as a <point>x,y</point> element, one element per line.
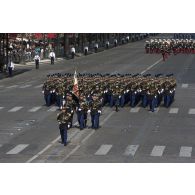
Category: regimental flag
<point>76,86</point>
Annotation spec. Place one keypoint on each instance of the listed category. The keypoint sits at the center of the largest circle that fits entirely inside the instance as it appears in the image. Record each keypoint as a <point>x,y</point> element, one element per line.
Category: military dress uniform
<point>95,111</point>
<point>64,123</point>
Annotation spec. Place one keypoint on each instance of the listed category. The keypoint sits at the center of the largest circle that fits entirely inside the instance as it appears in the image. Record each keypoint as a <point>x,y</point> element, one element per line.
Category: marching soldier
<point>64,123</point>
<point>82,112</point>
<point>95,110</point>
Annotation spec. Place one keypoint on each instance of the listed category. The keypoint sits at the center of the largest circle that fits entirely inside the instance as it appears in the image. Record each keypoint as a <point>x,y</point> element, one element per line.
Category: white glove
<point>99,111</point>
<point>68,126</point>
<point>79,109</point>
<point>72,111</point>
<point>88,111</point>
<point>42,91</point>
<point>127,90</point>
<point>119,96</point>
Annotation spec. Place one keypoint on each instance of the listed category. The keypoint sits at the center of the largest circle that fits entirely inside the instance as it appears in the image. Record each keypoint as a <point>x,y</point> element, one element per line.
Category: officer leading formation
<point>93,91</point>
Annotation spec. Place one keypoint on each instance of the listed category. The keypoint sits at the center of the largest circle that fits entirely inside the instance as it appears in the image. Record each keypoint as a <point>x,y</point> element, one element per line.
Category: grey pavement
<point>29,131</point>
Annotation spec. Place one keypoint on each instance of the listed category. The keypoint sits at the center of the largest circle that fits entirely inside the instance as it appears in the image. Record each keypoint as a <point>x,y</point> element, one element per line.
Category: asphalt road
<point>29,131</point>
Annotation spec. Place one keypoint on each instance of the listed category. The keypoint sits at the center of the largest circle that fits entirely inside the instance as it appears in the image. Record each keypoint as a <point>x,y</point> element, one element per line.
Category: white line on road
<point>38,86</point>
<point>185,151</point>
<point>184,85</point>
<point>1,145</point>
<point>103,150</point>
<point>15,109</point>
<point>191,111</point>
<point>1,86</point>
<point>34,109</point>
<point>1,108</point>
<point>109,115</point>
<point>12,86</point>
<point>87,137</point>
<point>157,151</point>
<point>18,149</point>
<point>131,150</point>
<point>53,109</point>
<point>151,66</point>
<point>24,86</point>
<point>173,110</point>
<point>135,109</point>
<point>48,146</point>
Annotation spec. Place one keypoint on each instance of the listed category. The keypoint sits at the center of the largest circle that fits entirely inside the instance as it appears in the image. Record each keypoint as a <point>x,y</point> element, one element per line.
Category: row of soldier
<point>97,90</point>
<point>170,46</point>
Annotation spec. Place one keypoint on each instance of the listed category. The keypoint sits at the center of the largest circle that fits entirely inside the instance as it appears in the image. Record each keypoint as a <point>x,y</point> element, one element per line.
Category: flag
<point>75,86</point>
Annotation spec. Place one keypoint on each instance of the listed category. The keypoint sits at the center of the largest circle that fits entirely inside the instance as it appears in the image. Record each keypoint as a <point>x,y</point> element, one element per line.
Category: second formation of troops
<point>98,90</point>
<point>168,46</point>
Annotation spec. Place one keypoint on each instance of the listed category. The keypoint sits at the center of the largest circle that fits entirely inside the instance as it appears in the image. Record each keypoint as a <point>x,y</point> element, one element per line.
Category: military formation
<point>174,46</point>
<point>98,90</point>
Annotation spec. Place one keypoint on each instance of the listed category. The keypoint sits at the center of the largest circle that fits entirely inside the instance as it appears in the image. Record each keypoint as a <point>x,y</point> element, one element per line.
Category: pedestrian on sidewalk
<point>52,56</point>
<point>10,67</point>
<point>72,51</point>
<point>37,60</point>
<point>86,50</point>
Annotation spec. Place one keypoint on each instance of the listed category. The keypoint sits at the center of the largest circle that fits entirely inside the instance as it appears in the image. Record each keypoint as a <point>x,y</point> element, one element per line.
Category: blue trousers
<point>122,100</point>
<point>59,100</point>
<point>152,104</point>
<point>63,133</point>
<point>144,101</point>
<point>47,99</point>
<point>132,100</point>
<point>95,120</point>
<point>167,100</point>
<point>81,119</point>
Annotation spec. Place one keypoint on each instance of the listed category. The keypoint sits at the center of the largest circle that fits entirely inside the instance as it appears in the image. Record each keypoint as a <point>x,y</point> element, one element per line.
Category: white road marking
<point>12,86</point>
<point>24,86</point>
<point>1,145</point>
<point>185,151</point>
<point>1,108</point>
<point>109,115</point>
<point>38,86</point>
<point>191,111</point>
<point>151,66</point>
<point>15,109</point>
<point>131,150</point>
<point>135,109</point>
<point>49,146</point>
<point>87,137</point>
<point>103,150</point>
<point>173,110</point>
<point>184,85</point>
<point>157,151</point>
<point>53,109</point>
<point>1,86</point>
<point>18,149</point>
<point>34,109</point>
